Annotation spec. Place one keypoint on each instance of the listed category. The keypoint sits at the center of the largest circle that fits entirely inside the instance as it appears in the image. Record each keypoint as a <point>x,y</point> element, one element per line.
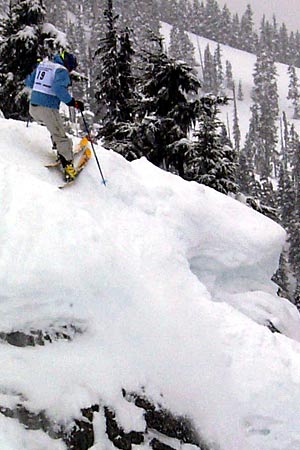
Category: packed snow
<point>170,283</point>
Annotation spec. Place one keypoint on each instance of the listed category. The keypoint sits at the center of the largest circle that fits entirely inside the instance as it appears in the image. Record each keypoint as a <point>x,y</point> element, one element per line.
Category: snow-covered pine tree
<point>210,161</point>
<point>212,18</point>
<point>25,38</point>
<point>296,50</point>
<point>126,77</point>
<point>284,140</point>
<point>265,104</point>
<point>143,23</point>
<point>235,31</point>
<point>21,44</point>
<point>168,11</point>
<point>97,24</point>
<point>245,175</point>
<point>247,37</point>
<point>248,183</point>
<point>285,197</point>
<point>118,134</point>
<point>281,276</point>
<point>197,20</point>
<point>108,91</point>
<point>219,81</point>
<point>275,40</point>
<point>284,55</point>
<point>181,47</point>
<point>166,113</point>
<point>293,145</point>
<point>183,14</point>
<point>268,196</point>
<point>225,25</point>
<point>293,92</point>
<point>240,94</point>
<point>294,226</point>
<point>209,72</point>
<point>236,129</point>
<point>229,83</point>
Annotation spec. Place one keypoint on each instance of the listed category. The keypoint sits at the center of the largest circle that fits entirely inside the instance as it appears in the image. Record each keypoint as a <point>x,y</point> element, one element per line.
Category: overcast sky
<point>287,11</point>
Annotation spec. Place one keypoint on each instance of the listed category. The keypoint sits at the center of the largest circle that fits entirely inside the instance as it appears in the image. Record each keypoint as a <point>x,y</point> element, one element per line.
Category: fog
<point>287,11</point>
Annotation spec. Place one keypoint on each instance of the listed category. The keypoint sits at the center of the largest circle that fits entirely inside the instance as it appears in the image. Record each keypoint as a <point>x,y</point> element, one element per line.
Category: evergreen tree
<point>294,226</point>
<point>265,99</point>
<point>235,32</point>
<point>236,128</point>
<point>296,53</point>
<point>293,92</point>
<point>296,299</point>
<point>168,11</point>
<point>225,25</point>
<point>109,90</point>
<point>211,162</point>
<point>275,40</point>
<point>97,25</point>
<point>209,72</point>
<point>166,114</point>
<point>142,16</point>
<point>266,36</point>
<point>281,276</point>
<point>248,182</point>
<point>197,23</point>
<point>245,175</point>
<point>183,14</point>
<point>219,74</point>
<point>285,197</point>
<point>127,80</point>
<point>283,44</point>
<point>268,196</point>
<point>212,17</point>
<point>229,76</point>
<point>181,47</point>
<point>240,95</point>
<point>21,44</point>
<point>294,223</point>
<point>247,34</point>
<point>284,138</point>
<point>293,144</point>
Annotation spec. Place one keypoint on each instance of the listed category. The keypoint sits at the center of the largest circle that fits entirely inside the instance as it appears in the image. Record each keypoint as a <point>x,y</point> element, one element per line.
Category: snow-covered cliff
<point>149,288</point>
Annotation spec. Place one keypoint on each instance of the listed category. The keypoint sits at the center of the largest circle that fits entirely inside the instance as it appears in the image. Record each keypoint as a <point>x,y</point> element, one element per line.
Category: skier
<point>49,82</point>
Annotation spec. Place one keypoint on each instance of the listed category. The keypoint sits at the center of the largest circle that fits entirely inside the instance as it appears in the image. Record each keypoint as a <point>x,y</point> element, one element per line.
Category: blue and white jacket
<point>49,83</point>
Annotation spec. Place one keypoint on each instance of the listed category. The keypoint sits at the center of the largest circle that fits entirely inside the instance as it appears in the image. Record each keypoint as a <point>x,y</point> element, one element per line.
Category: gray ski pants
<point>51,118</point>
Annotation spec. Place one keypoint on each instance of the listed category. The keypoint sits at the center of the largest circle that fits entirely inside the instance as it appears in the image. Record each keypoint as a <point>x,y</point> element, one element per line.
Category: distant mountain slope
<point>242,68</point>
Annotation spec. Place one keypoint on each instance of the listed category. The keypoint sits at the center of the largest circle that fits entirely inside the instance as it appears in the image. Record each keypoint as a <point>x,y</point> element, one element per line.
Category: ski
<point>52,164</point>
<point>84,159</point>
<point>80,147</point>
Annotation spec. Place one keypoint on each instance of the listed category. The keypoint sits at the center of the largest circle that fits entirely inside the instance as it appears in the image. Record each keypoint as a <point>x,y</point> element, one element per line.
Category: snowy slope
<point>242,68</point>
<point>169,283</point>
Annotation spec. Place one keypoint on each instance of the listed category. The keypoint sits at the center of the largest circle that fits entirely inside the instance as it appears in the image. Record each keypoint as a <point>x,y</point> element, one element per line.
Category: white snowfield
<point>170,282</point>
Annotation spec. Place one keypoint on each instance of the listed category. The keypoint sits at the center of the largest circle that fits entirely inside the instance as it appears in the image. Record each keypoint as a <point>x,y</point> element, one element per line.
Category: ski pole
<point>91,141</point>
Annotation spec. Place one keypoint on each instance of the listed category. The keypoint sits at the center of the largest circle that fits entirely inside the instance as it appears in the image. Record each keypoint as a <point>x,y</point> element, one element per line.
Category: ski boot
<point>68,168</point>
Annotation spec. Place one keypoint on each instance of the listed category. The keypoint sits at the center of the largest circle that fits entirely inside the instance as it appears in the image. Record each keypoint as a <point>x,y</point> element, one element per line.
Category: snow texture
<point>170,282</point>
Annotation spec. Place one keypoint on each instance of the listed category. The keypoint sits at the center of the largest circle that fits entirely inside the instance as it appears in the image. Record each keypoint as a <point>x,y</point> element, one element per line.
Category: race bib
<point>44,77</point>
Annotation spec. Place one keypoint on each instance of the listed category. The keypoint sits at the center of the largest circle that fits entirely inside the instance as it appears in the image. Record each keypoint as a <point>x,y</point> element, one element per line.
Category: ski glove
<point>78,104</point>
